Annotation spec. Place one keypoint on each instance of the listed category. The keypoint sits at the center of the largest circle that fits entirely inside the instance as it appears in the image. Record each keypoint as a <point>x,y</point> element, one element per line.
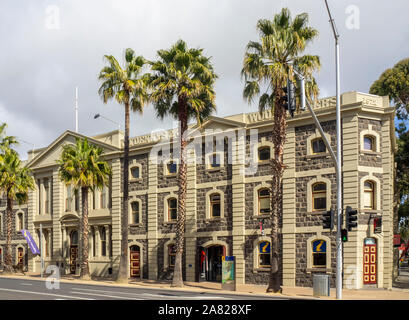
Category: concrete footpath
<point>400,291</point>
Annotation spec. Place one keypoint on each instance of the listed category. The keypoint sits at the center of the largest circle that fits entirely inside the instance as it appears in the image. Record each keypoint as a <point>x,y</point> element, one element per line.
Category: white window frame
<point>130,211</point>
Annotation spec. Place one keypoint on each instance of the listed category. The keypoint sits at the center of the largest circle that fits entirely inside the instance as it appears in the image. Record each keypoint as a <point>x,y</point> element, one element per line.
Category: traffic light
<point>328,219</point>
<point>351,217</point>
<point>289,97</point>
<point>344,235</point>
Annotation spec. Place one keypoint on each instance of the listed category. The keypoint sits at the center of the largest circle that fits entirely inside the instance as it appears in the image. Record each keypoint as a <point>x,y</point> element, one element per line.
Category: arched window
<point>264,254</point>
<point>103,242</point>
<point>135,174</point>
<point>135,212</point>
<point>264,201</point>
<point>319,196</point>
<point>215,205</point>
<point>318,146</point>
<point>263,153</point>
<point>172,209</point>
<point>74,238</point>
<point>171,255</point>
<point>319,254</point>
<point>369,143</point>
<point>369,195</point>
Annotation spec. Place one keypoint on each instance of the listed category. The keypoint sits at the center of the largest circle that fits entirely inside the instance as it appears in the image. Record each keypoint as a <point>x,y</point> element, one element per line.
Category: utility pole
<point>339,162</point>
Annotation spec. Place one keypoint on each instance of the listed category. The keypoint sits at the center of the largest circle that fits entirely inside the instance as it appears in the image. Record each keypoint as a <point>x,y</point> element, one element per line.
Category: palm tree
<point>267,65</point>
<point>5,141</point>
<point>183,87</point>
<point>81,166</point>
<point>15,183</point>
<point>128,87</point>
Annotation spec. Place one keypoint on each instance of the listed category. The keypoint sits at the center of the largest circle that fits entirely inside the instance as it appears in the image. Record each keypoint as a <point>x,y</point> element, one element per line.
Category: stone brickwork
<point>303,161</point>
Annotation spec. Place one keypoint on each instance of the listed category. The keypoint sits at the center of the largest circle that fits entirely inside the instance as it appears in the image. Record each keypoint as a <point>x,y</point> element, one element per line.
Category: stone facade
<point>240,230</point>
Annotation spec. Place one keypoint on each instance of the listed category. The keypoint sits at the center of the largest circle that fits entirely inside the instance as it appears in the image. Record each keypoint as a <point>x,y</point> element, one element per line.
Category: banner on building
<point>31,243</point>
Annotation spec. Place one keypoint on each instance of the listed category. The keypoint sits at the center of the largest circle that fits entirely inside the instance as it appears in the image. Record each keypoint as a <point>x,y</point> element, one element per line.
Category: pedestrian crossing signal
<point>344,235</point>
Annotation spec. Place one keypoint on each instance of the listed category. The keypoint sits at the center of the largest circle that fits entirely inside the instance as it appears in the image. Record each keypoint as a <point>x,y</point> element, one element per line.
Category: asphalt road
<point>23,289</point>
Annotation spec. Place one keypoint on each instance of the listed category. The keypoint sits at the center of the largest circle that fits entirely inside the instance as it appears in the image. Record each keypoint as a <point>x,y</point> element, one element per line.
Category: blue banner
<point>31,243</point>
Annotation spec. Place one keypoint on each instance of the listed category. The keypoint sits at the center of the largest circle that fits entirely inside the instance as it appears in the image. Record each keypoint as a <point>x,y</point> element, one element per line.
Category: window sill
<point>209,220</point>
<point>326,270</point>
<point>261,162</point>
<point>370,153</point>
<point>318,155</point>
<point>169,222</point>
<point>317,213</point>
<point>370,211</point>
<point>213,169</point>
<point>138,180</point>
<point>135,225</point>
<point>262,216</point>
<point>170,175</point>
<point>256,270</point>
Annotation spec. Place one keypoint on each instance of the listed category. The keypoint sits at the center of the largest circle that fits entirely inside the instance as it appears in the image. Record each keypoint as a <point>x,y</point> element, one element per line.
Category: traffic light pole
<point>339,162</point>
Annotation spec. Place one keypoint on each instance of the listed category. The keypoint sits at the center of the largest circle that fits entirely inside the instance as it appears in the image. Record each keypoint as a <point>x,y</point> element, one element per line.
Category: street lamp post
<point>339,162</point>
<point>99,115</point>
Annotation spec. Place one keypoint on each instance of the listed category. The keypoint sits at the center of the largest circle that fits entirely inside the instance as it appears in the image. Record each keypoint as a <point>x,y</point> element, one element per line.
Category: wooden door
<point>370,265</point>
<point>73,259</point>
<point>134,254</point>
<point>20,258</point>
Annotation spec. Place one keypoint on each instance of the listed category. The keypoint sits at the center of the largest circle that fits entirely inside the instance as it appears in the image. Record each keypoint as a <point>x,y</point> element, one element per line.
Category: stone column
<point>152,219</point>
<point>289,210</point>
<point>64,242</point>
<point>32,212</point>
<point>97,242</point>
<point>238,200</point>
<point>116,216</point>
<point>91,242</point>
<point>56,199</point>
<point>191,225</point>
<point>108,239</point>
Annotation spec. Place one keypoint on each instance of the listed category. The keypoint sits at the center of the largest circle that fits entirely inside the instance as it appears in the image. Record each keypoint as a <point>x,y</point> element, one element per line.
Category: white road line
<point>104,295</point>
<point>46,294</point>
<point>106,291</point>
<point>26,284</point>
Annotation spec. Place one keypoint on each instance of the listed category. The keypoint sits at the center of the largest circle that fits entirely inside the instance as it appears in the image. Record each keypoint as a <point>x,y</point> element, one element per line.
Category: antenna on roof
<point>76,109</point>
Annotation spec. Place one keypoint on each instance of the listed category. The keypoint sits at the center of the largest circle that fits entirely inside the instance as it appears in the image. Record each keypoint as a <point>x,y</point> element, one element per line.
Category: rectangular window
<point>172,168</point>
<point>172,255</point>
<point>135,212</point>
<point>319,254</point>
<point>264,254</point>
<point>264,201</point>
<point>215,205</point>
<point>318,146</point>
<point>103,198</point>
<point>172,209</point>
<point>68,199</point>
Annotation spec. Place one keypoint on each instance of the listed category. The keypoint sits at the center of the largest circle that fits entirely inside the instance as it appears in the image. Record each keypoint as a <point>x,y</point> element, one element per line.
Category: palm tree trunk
<point>279,135</point>
<point>85,274</point>
<point>8,264</point>
<point>182,181</point>
<point>123,262</point>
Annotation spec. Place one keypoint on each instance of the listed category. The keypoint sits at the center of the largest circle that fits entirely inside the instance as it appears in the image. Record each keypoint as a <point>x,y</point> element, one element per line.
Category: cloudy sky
<point>49,47</point>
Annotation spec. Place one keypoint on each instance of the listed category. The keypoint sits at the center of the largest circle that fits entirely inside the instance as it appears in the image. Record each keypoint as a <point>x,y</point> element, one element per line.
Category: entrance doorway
<point>210,263</point>
<point>370,258</point>
<point>20,258</point>
<point>73,251</point>
<point>134,255</point>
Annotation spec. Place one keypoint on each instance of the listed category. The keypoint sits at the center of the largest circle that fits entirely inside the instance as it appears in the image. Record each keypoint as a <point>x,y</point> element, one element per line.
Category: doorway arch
<point>209,260</point>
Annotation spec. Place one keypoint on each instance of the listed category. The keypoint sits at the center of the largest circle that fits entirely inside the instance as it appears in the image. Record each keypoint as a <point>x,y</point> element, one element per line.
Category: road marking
<point>106,291</point>
<point>46,294</point>
<point>104,295</point>
<point>26,284</point>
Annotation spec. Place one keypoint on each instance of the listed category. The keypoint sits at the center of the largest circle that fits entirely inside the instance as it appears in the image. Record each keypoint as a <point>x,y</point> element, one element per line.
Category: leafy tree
<point>15,183</point>
<point>183,87</point>
<point>82,167</point>
<point>127,86</point>
<point>394,82</point>
<point>267,65</point>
